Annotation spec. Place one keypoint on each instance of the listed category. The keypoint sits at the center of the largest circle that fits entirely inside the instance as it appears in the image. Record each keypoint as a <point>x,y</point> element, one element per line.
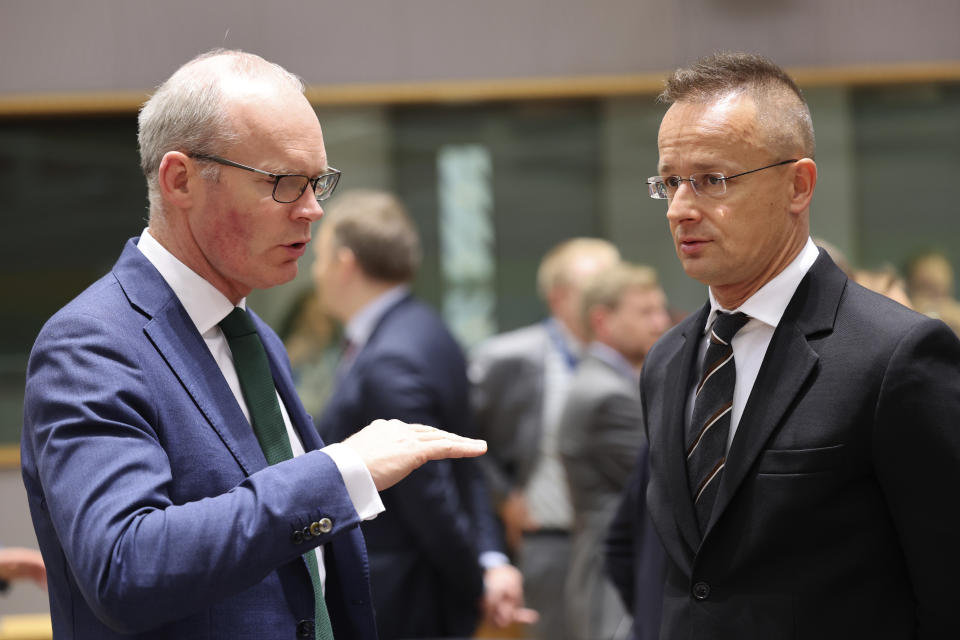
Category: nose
<point>683,205</point>
<point>307,207</point>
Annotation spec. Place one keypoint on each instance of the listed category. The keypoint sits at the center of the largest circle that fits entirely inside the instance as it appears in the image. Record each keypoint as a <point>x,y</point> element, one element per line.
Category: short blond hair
<point>555,269</point>
<point>608,286</point>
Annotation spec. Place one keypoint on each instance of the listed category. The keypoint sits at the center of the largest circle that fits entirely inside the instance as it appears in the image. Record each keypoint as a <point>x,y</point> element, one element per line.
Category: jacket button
<point>297,537</point>
<point>315,529</point>
<point>305,629</point>
<point>306,533</point>
<point>326,525</point>
<point>701,591</point>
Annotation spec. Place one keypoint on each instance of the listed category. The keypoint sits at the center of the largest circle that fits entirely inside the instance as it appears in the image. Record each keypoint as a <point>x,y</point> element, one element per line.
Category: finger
<point>522,615</point>
<point>445,448</point>
<point>429,433</point>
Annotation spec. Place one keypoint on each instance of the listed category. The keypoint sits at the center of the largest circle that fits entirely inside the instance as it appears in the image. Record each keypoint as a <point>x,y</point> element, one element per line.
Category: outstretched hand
<point>391,449</point>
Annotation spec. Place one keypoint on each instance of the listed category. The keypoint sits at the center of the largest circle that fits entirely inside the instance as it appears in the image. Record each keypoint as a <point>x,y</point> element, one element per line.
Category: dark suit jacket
<point>600,435</point>
<point>154,507</point>
<point>836,513</point>
<point>635,559</point>
<point>424,549</point>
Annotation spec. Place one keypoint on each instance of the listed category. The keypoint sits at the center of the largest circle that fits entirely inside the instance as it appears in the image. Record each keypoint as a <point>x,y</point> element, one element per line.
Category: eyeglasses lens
<point>289,188</point>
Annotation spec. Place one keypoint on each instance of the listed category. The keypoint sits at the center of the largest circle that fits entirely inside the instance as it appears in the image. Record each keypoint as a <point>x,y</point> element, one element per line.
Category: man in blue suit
<point>157,512</point>
<point>438,543</point>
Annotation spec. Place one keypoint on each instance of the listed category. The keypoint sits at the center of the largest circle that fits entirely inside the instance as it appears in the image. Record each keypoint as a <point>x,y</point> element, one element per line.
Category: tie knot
<point>237,324</point>
<point>726,325</point>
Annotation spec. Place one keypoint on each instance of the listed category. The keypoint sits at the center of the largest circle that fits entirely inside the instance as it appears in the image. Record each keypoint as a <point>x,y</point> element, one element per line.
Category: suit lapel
<point>679,379</point>
<point>176,339</point>
<point>787,365</point>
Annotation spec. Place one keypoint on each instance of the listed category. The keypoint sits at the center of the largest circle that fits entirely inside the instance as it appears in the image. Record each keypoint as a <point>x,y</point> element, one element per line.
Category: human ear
<point>347,260</point>
<point>177,178</point>
<point>804,182</point>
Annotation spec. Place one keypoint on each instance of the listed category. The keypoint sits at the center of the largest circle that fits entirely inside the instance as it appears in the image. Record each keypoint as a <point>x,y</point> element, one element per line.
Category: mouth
<point>297,248</point>
<point>691,245</point>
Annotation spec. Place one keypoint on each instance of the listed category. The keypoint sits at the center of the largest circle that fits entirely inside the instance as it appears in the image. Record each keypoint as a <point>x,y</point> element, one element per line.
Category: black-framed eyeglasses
<point>707,184</point>
<point>287,187</point>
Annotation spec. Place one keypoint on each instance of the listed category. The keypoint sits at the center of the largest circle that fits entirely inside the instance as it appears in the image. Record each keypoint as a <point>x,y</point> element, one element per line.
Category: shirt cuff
<point>491,559</point>
<point>363,493</point>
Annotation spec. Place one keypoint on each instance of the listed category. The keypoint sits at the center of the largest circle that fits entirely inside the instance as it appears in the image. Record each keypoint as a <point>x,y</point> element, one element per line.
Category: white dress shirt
<point>765,308</point>
<point>206,307</point>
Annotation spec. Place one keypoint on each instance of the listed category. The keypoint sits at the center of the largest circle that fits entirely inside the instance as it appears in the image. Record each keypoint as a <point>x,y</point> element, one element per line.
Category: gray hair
<point>783,112</point>
<point>189,113</point>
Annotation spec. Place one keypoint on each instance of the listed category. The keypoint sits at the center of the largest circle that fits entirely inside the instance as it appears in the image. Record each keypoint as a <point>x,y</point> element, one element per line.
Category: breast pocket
<point>802,461</point>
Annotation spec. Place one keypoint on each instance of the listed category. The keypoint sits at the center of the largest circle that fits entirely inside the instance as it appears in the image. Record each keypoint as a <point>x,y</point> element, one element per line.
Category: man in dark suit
<point>601,434</point>
<point>176,484</point>
<point>437,544</point>
<point>804,456</point>
<point>520,381</point>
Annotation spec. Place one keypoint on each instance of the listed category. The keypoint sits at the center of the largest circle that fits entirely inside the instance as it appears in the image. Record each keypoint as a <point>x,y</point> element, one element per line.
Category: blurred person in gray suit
<point>601,434</point>
<point>520,380</point>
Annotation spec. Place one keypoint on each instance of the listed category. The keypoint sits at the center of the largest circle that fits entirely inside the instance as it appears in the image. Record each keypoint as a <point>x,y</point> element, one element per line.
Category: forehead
<point>701,134</point>
<point>280,127</point>
<point>643,295</point>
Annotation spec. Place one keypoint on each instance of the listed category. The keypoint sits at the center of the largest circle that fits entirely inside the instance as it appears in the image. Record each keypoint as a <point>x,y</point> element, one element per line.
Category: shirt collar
<point>614,359</point>
<point>203,302</point>
<point>361,325</point>
<point>770,301</point>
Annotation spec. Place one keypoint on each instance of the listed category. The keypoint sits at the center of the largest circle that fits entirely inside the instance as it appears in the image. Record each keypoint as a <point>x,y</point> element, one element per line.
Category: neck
<point>732,296</point>
<point>361,294</point>
<point>633,360</point>
<point>166,233</point>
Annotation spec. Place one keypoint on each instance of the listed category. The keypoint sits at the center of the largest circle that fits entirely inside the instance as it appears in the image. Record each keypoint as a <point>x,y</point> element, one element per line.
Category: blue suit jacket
<point>424,548</point>
<point>154,507</point>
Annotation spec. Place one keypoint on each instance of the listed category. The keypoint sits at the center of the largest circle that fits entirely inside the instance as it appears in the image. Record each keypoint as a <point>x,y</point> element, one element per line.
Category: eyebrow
<point>698,167</point>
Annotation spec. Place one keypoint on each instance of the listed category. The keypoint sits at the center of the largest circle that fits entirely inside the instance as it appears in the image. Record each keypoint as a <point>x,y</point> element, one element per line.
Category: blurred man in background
<point>930,287</point>
<point>437,546</point>
<point>520,382</point>
<point>601,433</point>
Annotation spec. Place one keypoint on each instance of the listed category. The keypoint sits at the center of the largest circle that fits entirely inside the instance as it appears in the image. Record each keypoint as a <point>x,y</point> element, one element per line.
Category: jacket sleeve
<point>917,457</point>
<point>100,479</point>
<point>619,543</point>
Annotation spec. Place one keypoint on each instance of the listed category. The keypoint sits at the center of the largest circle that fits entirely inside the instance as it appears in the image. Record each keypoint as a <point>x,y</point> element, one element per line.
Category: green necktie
<point>256,382</point>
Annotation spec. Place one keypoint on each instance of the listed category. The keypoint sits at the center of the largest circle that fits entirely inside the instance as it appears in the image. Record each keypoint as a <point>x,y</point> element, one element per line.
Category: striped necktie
<point>256,382</point>
<point>710,424</point>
